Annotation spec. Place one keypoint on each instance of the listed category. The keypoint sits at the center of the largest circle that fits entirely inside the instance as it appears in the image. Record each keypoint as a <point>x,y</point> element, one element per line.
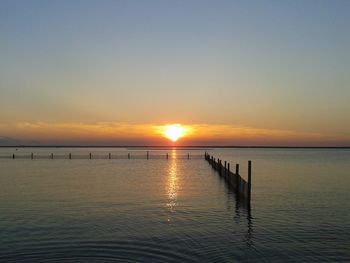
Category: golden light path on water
<point>172,185</point>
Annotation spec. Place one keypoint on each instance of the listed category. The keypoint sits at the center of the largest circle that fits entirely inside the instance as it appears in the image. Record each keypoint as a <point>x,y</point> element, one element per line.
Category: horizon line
<point>175,146</point>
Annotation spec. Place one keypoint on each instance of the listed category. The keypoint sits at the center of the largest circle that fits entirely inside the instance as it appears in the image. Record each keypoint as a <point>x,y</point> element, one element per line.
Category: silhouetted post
<point>52,156</point>
<point>13,156</point>
<point>90,156</point>
<point>167,156</point>
<point>32,156</point>
<point>221,167</point>
<point>188,156</point>
<point>249,179</point>
<point>147,155</point>
<point>237,178</point>
<point>128,155</point>
<point>228,172</point>
<point>70,156</point>
<point>225,170</point>
<point>109,156</point>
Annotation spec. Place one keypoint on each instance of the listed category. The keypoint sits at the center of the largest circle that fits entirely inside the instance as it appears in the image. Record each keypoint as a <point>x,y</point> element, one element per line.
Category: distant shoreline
<point>180,147</point>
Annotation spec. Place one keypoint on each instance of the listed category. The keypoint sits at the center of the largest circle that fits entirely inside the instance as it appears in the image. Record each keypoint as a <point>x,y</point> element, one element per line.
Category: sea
<point>173,209</point>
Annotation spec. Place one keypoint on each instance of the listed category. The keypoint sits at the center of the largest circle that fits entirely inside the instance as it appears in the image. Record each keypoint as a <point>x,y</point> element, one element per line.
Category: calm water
<point>175,210</point>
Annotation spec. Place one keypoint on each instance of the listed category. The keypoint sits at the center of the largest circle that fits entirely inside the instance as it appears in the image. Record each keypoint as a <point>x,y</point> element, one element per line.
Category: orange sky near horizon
<point>108,133</point>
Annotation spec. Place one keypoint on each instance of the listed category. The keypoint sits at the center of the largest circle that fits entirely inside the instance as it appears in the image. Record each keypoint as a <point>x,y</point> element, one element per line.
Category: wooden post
<point>225,170</point>
<point>52,156</point>
<point>220,167</point>
<point>167,156</point>
<point>147,155</point>
<point>128,155</point>
<point>90,156</point>
<point>228,172</point>
<point>32,156</point>
<point>13,156</point>
<point>188,156</point>
<point>249,179</point>
<point>109,156</point>
<point>70,156</point>
<point>237,178</point>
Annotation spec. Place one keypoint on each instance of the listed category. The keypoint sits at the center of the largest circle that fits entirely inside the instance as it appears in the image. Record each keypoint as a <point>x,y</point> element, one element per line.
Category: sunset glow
<point>174,132</point>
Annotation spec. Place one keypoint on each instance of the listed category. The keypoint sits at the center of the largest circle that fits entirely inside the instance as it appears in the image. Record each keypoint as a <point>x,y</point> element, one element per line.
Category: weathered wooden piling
<point>234,180</point>
<point>70,156</point>
<point>249,179</point>
<point>237,177</point>
<point>32,156</point>
<point>228,173</point>
<point>109,156</point>
<point>52,156</point>
<point>147,155</point>
<point>128,155</point>
<point>90,156</point>
<point>225,170</point>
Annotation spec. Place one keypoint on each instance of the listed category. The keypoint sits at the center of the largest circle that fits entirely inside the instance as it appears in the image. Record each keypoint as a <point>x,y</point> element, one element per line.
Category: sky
<point>235,72</point>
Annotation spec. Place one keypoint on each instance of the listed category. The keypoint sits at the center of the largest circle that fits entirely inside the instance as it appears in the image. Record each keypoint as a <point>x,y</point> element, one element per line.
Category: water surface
<point>175,210</point>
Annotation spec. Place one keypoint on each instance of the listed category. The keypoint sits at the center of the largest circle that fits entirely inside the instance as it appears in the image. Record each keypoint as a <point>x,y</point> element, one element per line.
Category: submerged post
<point>249,179</point>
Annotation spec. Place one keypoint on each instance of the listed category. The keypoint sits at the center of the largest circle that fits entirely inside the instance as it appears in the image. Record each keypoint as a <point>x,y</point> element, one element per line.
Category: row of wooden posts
<point>101,156</point>
<point>234,180</point>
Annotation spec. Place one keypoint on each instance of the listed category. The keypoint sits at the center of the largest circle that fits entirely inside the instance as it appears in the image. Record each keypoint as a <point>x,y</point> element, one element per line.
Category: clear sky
<point>236,72</point>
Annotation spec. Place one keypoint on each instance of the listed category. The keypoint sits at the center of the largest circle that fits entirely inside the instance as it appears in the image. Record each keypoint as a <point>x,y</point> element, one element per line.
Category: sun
<point>174,131</point>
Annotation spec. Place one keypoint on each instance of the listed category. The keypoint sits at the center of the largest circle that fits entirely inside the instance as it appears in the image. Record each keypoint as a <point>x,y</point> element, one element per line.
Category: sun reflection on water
<point>172,186</point>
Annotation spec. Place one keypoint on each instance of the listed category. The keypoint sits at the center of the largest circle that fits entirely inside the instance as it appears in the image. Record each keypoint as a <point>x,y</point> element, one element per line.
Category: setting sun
<point>174,132</point>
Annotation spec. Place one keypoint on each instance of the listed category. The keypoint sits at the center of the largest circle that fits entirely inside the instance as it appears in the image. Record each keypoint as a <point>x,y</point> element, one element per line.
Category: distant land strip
<point>179,147</point>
